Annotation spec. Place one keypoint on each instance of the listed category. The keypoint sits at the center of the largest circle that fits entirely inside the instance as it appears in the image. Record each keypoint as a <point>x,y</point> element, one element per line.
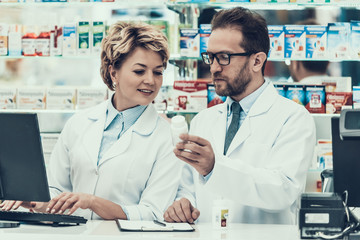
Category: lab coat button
<point>96,172</point>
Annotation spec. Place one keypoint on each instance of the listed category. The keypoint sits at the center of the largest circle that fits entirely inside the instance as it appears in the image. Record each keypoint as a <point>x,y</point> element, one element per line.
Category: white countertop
<point>109,230</point>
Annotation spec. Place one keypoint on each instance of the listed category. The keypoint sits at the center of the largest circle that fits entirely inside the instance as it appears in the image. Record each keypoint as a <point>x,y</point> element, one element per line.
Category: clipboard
<point>151,226</point>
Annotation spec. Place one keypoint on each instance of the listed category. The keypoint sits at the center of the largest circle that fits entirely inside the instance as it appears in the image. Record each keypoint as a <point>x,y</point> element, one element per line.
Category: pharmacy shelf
<point>115,4</point>
<point>40,111</point>
<point>267,5</point>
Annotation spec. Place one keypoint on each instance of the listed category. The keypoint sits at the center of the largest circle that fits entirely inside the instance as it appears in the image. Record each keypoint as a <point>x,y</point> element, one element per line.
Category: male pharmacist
<point>253,150</point>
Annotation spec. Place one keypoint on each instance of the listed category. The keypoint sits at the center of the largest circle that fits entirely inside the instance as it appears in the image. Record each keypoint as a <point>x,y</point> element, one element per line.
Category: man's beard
<point>238,85</point>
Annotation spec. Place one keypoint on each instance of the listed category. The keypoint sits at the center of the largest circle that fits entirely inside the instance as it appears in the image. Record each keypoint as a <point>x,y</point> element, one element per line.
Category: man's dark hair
<point>316,66</point>
<point>252,25</point>
<point>313,66</point>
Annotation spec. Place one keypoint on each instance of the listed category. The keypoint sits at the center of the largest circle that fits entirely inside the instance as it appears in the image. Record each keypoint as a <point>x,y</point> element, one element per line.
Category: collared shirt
<point>116,124</point>
<point>246,104</point>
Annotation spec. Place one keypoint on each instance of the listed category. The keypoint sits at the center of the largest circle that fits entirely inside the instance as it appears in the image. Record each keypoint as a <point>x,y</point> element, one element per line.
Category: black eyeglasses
<point>222,58</point>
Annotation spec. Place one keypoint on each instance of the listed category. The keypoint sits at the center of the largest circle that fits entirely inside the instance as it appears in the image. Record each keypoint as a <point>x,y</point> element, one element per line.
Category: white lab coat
<point>139,172</point>
<point>264,170</point>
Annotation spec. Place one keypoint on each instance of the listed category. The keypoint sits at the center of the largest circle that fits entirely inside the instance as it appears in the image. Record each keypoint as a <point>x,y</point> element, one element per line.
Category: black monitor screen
<point>352,120</point>
<point>346,164</point>
<point>22,168</point>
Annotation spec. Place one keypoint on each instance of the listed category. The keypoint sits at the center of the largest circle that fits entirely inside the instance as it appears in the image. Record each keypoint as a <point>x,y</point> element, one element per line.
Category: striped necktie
<point>234,125</point>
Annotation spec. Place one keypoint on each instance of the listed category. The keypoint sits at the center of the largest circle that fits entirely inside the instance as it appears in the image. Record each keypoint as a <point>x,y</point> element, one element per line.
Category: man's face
<point>232,79</point>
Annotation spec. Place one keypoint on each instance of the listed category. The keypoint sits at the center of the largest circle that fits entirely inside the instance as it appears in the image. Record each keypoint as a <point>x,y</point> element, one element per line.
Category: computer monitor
<point>22,168</point>
<point>346,164</point>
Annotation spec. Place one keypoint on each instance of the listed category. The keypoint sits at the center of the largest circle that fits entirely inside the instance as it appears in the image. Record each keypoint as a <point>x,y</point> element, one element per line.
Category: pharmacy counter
<point>108,230</point>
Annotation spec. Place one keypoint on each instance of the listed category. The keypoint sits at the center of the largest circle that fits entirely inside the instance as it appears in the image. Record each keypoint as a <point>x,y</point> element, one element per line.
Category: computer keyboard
<point>31,217</point>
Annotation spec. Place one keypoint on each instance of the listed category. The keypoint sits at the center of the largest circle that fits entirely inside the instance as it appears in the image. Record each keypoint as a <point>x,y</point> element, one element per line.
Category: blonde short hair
<point>123,38</point>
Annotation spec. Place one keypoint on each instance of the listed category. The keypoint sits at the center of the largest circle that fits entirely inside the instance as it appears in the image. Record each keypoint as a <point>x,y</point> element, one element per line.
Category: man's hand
<point>181,211</point>
<point>197,152</point>
<point>69,200</point>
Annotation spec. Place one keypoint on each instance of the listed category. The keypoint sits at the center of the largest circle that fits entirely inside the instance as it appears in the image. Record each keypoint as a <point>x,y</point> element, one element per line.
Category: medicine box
<point>7,98</point>
<point>48,141</point>
<point>61,98</point>
<point>356,97</point>
<point>161,100</point>
<point>205,31</point>
<point>98,35</point>
<point>212,97</point>
<point>355,40</point>
<point>338,40</point>
<point>295,41</point>
<point>69,40</point>
<point>315,98</point>
<point>276,36</point>
<point>88,97</point>
<point>281,89</point>
<point>31,98</point>
<point>296,93</point>
<point>83,38</point>
<point>190,96</point>
<point>335,101</point>
<point>189,42</point>
<point>316,41</point>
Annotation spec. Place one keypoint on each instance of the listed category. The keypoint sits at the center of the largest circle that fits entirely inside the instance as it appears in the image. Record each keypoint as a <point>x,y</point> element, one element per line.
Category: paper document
<point>150,226</point>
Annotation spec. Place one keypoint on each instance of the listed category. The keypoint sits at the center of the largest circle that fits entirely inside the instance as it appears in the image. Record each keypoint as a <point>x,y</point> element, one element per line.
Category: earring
<point>114,85</point>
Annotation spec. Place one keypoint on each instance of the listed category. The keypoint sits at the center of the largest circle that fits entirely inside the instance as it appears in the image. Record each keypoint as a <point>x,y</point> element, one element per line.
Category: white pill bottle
<point>178,126</point>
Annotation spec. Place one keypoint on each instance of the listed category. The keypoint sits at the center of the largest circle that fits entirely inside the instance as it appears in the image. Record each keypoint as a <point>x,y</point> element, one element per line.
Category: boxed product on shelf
<point>61,98</point>
<point>324,154</point>
<point>14,40</point>
<point>56,41</point>
<point>315,98</point>
<point>48,141</point>
<point>190,96</point>
<point>69,39</point>
<point>281,89</point>
<point>205,31</point>
<point>90,96</point>
<point>161,100</point>
<point>337,84</point>
<point>42,42</point>
<point>355,39</point>
<point>212,98</point>
<point>98,35</point>
<point>83,38</point>
<point>4,32</point>
<point>7,98</point>
<point>28,41</point>
<point>276,36</point>
<point>356,97</point>
<point>296,93</point>
<point>295,41</point>
<point>189,42</point>
<point>316,41</point>
<point>336,101</point>
<point>338,40</point>
<point>31,98</point>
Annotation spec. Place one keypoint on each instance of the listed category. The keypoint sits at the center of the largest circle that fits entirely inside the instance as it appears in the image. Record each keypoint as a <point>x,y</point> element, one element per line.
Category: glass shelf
<point>41,111</point>
<point>116,4</point>
<point>268,5</point>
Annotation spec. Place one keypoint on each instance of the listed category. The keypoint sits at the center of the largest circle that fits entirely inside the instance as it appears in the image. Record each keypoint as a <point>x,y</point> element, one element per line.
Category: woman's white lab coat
<point>265,168</point>
<point>139,172</point>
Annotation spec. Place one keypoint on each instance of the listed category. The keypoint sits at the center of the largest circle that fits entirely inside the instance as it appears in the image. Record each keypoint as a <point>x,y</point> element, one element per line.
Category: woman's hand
<point>8,205</point>
<point>69,200</point>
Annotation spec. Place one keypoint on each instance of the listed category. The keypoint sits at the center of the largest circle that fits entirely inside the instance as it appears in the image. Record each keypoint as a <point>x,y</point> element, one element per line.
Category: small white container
<point>220,214</point>
<point>178,126</point>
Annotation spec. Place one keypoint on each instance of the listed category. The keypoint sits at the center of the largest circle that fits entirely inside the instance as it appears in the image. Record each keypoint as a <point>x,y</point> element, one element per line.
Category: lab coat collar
<point>264,101</point>
<point>145,125</point>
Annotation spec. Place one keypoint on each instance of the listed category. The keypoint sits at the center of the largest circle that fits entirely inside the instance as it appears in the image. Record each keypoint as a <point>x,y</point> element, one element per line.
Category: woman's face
<point>138,80</point>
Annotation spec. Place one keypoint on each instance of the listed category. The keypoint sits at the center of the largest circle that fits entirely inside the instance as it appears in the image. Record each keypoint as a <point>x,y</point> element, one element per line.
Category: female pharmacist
<point>115,160</point>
